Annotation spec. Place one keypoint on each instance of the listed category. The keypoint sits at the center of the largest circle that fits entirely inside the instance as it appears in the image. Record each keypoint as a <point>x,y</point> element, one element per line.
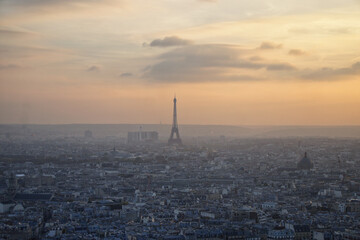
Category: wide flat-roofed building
<point>140,136</point>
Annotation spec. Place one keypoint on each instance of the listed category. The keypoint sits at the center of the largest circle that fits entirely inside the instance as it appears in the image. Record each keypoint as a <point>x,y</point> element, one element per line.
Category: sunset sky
<point>233,62</point>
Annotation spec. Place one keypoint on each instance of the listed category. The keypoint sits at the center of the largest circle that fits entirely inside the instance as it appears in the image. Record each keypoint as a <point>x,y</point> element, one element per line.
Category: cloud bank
<point>270,45</point>
<point>333,73</point>
<point>126,74</point>
<point>170,42</point>
<point>296,52</point>
<point>210,62</point>
<point>8,66</point>
<point>93,69</point>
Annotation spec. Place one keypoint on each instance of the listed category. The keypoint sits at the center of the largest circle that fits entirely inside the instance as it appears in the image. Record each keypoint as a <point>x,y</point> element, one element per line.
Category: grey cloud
<point>126,74</point>
<point>35,7</point>
<point>169,42</point>
<point>296,52</point>
<point>333,73</point>
<point>280,67</point>
<point>269,45</point>
<point>9,33</point>
<point>8,66</point>
<point>20,52</point>
<point>255,58</point>
<point>45,3</point>
<point>243,78</point>
<point>93,69</point>
<point>206,63</point>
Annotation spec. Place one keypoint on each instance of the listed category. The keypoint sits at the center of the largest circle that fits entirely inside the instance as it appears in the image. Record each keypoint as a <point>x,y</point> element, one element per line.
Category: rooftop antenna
<point>140,133</point>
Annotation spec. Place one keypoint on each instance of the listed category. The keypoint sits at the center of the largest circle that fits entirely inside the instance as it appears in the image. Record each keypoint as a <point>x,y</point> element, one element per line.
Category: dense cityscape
<point>87,187</point>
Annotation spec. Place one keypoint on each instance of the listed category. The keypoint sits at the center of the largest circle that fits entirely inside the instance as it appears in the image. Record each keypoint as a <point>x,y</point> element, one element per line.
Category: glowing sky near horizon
<point>232,62</point>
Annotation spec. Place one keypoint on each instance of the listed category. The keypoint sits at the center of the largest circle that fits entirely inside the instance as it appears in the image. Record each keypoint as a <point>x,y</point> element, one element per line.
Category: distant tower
<point>140,137</point>
<point>12,185</point>
<point>175,129</point>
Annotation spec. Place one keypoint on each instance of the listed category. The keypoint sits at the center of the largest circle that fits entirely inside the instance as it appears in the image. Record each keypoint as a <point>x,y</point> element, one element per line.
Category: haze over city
<point>229,62</point>
<point>180,119</point>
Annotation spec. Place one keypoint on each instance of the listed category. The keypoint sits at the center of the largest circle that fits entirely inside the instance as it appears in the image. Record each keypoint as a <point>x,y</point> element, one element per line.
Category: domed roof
<point>305,163</point>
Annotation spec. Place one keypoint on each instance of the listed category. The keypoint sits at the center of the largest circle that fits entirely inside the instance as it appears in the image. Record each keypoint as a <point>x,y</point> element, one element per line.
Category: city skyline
<point>230,62</point>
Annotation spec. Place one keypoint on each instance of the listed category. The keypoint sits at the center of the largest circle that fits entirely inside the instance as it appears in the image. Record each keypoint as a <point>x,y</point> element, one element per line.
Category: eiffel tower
<point>175,129</point>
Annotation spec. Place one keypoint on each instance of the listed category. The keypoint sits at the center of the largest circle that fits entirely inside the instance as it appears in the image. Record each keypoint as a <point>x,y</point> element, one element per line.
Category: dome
<point>305,163</point>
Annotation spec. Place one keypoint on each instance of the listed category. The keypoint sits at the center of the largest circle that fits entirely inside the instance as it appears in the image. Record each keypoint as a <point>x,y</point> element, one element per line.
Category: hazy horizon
<point>169,124</point>
<point>186,131</point>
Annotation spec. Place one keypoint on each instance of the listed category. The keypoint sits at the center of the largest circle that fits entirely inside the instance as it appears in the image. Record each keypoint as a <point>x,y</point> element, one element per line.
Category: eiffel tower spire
<point>175,136</point>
